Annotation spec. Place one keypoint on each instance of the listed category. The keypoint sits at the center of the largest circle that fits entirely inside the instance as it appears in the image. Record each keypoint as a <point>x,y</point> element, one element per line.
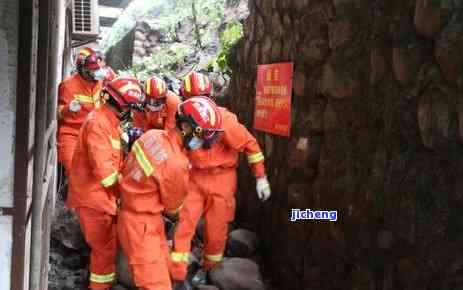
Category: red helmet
<point>155,88</point>
<point>195,84</point>
<point>202,114</point>
<point>89,59</point>
<point>126,92</point>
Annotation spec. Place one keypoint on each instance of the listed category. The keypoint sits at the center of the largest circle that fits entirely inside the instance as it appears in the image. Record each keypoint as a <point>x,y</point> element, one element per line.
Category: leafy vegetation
<point>228,39</point>
<point>163,62</point>
<point>137,9</point>
<point>176,20</point>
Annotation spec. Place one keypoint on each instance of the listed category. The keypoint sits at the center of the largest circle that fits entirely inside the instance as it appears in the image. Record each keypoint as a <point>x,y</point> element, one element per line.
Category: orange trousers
<point>144,243</point>
<point>212,194</point>
<point>99,230</point>
<point>66,145</point>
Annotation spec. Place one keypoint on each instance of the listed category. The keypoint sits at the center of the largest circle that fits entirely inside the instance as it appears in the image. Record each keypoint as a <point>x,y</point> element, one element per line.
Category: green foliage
<point>163,62</point>
<point>170,18</point>
<point>228,39</point>
<point>136,10</point>
<point>209,14</point>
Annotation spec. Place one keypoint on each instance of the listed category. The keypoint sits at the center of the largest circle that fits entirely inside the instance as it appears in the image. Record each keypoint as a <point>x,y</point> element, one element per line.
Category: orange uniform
<point>211,192</point>
<point>87,93</point>
<point>92,194</point>
<point>164,119</point>
<point>154,179</point>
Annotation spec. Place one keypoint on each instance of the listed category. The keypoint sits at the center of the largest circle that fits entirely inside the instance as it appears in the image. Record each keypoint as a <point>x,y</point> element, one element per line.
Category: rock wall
<point>146,40</point>
<point>377,132</point>
<point>120,56</point>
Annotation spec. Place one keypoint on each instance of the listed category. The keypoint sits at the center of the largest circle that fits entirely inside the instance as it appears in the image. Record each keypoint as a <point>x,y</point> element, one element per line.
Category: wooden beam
<point>25,100</point>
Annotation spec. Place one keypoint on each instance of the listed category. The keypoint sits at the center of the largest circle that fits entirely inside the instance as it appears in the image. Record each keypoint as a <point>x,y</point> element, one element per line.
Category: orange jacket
<point>156,174</point>
<point>225,152</point>
<point>96,162</point>
<point>76,88</point>
<point>164,119</point>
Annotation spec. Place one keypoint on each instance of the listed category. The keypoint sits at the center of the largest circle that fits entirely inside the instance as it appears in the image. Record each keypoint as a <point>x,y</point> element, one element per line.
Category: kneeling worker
<point>214,138</point>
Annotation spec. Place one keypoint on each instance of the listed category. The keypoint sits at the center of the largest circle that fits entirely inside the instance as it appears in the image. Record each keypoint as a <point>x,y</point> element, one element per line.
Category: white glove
<point>263,188</point>
<point>125,137</point>
<point>74,106</point>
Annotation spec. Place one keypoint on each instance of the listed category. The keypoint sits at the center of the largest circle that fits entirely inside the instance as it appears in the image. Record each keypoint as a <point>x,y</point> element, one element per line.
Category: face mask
<point>195,143</point>
<point>99,74</point>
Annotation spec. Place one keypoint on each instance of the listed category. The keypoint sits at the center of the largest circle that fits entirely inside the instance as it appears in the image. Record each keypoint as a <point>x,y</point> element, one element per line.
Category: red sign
<point>273,98</point>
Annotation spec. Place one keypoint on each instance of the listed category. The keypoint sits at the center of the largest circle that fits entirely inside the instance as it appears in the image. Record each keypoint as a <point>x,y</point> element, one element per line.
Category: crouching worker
<point>214,138</point>
<point>153,181</point>
<point>95,169</point>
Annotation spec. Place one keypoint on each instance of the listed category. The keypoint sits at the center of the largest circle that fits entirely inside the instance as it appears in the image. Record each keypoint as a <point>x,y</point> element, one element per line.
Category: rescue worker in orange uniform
<point>214,141</point>
<point>160,108</point>
<point>94,174</point>
<point>154,180</point>
<point>78,95</point>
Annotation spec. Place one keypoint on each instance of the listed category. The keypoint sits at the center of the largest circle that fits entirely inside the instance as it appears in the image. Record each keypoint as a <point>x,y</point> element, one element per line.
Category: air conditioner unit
<point>85,20</point>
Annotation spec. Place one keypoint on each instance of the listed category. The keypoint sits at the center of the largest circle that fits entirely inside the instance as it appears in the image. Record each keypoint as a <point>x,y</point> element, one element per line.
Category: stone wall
<point>377,134</point>
<point>146,40</point>
<point>120,56</point>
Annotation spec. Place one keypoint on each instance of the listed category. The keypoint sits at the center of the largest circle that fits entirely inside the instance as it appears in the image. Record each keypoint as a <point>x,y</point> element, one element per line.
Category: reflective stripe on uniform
<point>83,99</point>
<point>116,144</point>
<point>187,84</point>
<point>110,180</point>
<point>180,256</point>
<point>102,278</point>
<point>148,88</point>
<point>214,258</point>
<point>142,159</point>
<point>254,158</point>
